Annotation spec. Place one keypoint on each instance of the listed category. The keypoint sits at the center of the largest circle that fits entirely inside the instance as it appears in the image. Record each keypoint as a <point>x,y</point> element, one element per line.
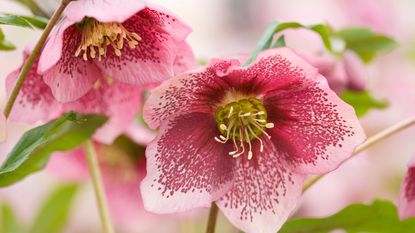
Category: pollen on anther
<point>97,37</point>
<point>223,127</point>
<point>269,125</point>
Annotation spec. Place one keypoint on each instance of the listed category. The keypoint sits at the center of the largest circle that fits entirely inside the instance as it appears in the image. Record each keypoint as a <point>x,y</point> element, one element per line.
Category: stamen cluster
<point>97,36</point>
<point>242,121</point>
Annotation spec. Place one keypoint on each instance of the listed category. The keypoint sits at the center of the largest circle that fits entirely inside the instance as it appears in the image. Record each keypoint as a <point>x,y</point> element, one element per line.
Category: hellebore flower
<point>3,127</point>
<point>406,204</point>
<point>347,73</point>
<point>35,103</point>
<point>123,166</point>
<point>130,41</point>
<point>121,102</point>
<point>244,137</point>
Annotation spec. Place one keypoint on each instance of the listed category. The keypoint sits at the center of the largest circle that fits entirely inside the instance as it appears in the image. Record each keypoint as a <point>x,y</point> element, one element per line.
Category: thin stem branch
<point>368,143</point>
<point>33,56</point>
<point>213,215</point>
<point>98,187</point>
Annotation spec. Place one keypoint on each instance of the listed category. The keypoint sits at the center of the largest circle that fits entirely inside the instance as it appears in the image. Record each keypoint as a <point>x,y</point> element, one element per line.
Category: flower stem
<point>368,143</point>
<point>213,215</point>
<point>33,56</point>
<point>96,177</point>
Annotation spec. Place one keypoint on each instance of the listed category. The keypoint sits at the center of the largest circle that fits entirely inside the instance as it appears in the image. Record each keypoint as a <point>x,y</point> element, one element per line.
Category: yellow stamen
<point>243,120</point>
<point>97,37</point>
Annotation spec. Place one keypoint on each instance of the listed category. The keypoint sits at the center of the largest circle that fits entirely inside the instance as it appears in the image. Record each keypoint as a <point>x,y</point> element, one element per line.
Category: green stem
<point>98,187</point>
<point>213,215</point>
<point>33,56</point>
<point>368,143</point>
<point>34,8</point>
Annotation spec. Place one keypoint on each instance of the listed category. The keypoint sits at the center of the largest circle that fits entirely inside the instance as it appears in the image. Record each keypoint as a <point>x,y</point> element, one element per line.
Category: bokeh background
<point>229,27</point>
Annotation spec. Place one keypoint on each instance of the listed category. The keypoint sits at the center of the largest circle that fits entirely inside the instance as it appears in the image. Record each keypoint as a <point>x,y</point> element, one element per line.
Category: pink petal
<point>186,167</point>
<point>52,51</point>
<point>3,127</point>
<point>69,165</point>
<point>283,58</point>
<point>168,21</point>
<point>103,10</point>
<point>331,68</point>
<point>324,64</point>
<point>185,60</point>
<point>356,72</point>
<point>406,205</point>
<point>195,91</point>
<point>140,134</point>
<point>264,192</point>
<point>273,69</point>
<point>119,101</point>
<point>124,198</point>
<point>71,77</point>
<point>153,59</point>
<point>70,85</point>
<point>35,102</point>
<point>314,128</point>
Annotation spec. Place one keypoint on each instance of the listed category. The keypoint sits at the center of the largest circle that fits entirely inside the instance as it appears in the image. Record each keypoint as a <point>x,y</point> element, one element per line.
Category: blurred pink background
<point>226,27</point>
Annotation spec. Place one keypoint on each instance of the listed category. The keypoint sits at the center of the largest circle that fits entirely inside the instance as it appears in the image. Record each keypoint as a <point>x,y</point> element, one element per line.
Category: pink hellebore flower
<point>130,41</point>
<point>35,103</point>
<point>121,102</point>
<point>407,196</point>
<point>245,138</point>
<point>123,167</point>
<point>347,73</point>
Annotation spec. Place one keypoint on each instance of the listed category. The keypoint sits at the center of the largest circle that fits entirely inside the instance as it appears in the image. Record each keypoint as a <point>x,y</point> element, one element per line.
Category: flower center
<point>242,121</point>
<point>96,37</point>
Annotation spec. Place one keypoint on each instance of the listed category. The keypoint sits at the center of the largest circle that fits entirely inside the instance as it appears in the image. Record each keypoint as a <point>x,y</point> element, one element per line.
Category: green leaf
<point>280,42</point>
<point>36,21</point>
<point>275,27</point>
<point>362,102</point>
<point>325,33</point>
<point>33,150</point>
<point>378,217</point>
<point>54,213</point>
<point>4,44</point>
<point>8,223</point>
<point>366,43</point>
<point>23,21</point>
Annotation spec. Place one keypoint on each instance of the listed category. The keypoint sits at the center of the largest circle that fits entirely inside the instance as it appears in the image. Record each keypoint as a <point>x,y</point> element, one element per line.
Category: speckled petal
<point>185,60</point>
<point>406,204</point>
<point>186,168</point>
<point>35,102</point>
<point>264,193</point>
<point>153,59</point>
<point>71,77</point>
<point>314,129</point>
<point>194,91</point>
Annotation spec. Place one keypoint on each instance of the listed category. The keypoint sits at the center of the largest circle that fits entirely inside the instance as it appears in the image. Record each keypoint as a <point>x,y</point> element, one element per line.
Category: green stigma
<point>242,121</point>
